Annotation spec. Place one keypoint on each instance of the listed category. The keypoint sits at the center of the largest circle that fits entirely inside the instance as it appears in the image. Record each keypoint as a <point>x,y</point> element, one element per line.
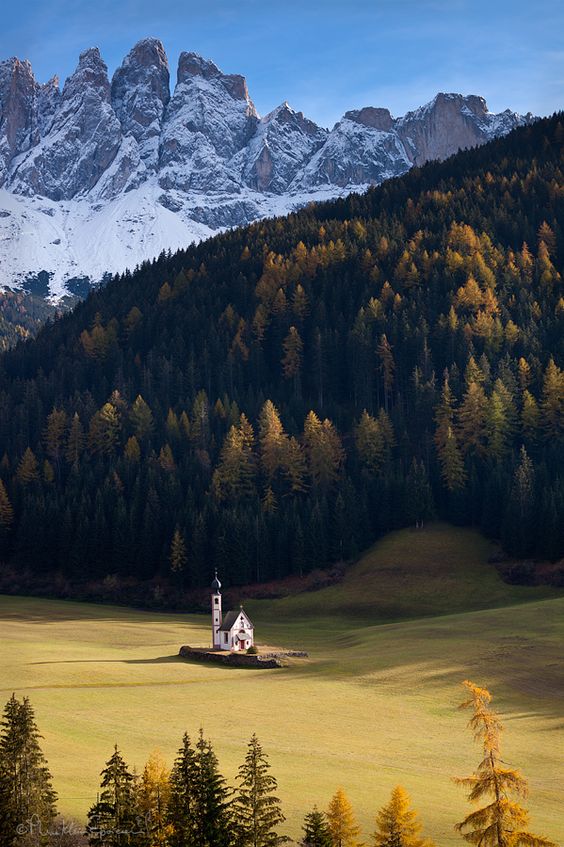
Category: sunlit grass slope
<point>374,706</point>
<point>414,573</point>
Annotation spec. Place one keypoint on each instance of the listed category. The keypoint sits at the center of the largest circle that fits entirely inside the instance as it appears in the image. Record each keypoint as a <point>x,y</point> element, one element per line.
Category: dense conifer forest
<point>274,399</point>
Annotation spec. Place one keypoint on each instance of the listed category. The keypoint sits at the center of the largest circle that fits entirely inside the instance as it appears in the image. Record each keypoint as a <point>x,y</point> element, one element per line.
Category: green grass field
<point>374,706</point>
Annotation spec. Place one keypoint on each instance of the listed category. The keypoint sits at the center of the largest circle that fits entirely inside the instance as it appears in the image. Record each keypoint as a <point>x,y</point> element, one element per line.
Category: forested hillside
<point>21,316</point>
<point>274,399</point>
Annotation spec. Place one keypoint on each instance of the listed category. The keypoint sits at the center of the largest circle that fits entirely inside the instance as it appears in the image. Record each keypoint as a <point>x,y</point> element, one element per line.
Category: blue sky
<point>323,57</point>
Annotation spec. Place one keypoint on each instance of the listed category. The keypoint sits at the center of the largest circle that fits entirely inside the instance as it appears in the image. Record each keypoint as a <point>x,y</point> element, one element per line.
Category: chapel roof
<point>231,619</point>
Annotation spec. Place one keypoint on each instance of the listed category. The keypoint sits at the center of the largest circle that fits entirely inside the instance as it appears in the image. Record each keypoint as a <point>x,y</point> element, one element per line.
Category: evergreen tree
<point>387,367</point>
<point>115,819</point>
<point>141,419</point>
<point>316,830</point>
<point>75,441</point>
<point>256,809</point>
<point>293,351</point>
<point>55,433</point>
<point>499,423</point>
<point>418,494</point>
<point>211,822</point>
<point>26,795</point>
<point>503,821</point>
<point>182,804</point>
<point>178,557</point>
<point>518,531</point>
<point>451,461</point>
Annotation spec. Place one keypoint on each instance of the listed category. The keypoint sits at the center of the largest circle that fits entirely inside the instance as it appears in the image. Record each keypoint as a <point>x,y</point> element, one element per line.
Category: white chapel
<point>235,631</point>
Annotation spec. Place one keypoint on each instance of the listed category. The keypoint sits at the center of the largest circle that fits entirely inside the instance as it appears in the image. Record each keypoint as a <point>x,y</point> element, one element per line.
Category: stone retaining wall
<point>234,660</point>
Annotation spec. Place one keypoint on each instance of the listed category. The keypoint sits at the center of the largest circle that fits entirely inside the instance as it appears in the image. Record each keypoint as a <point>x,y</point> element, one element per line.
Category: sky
<point>322,57</point>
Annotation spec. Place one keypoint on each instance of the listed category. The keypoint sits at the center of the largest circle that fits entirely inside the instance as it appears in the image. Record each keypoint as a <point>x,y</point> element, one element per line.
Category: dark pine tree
<point>114,820</point>
<point>27,799</point>
<point>316,830</point>
<point>256,810</point>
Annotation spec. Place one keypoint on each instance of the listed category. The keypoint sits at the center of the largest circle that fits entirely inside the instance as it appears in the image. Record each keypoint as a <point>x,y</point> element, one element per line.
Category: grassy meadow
<point>374,706</point>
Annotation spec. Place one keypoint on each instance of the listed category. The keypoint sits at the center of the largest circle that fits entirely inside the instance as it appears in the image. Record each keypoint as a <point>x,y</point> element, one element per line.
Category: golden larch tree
<point>369,442</point>
<point>341,820</point>
<point>530,417</point>
<point>27,469</point>
<point>552,404</point>
<point>397,824</point>
<point>234,475</point>
<point>272,439</point>
<point>6,509</point>
<point>503,821</point>
<point>324,450</point>
<point>141,419</point>
<point>104,430</point>
<point>153,796</point>
<point>55,433</point>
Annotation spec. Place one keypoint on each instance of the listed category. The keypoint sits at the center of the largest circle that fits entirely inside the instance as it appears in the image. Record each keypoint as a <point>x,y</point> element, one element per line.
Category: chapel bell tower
<point>216,611</point>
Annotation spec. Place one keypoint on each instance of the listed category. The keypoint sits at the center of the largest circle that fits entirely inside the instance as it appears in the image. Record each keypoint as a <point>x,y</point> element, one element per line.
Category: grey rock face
<point>48,99</point>
<point>210,118</point>
<point>18,118</point>
<point>354,154</point>
<point>140,93</point>
<point>369,116</point>
<point>449,123</point>
<point>84,137</point>
<point>368,145</point>
<point>283,142</point>
<point>234,212</point>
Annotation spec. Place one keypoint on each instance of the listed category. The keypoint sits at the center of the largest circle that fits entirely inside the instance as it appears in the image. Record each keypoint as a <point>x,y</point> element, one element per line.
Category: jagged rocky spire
<point>83,139</point>
<point>140,94</point>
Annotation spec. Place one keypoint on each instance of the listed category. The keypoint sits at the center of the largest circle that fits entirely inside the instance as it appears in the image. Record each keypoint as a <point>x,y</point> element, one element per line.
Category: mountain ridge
<point>132,167</point>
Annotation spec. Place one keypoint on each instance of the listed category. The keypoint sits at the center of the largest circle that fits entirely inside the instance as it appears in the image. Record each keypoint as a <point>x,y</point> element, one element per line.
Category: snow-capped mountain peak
<point>102,175</point>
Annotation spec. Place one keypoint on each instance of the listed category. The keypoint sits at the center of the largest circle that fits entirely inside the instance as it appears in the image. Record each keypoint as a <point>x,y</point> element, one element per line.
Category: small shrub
<point>252,651</point>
